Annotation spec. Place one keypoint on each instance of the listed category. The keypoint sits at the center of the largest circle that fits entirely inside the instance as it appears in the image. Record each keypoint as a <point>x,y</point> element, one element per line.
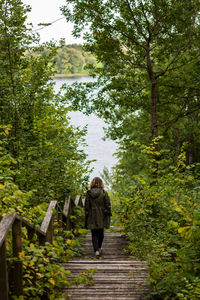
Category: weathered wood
<point>47,224</point>
<point>106,267</point>
<point>117,277</point>
<point>105,297</point>
<point>59,215</point>
<point>131,262</point>
<point>67,212</point>
<point>17,264</point>
<point>45,233</point>
<point>31,228</point>
<point>5,225</point>
<point>83,202</point>
<point>66,207</point>
<point>78,200</point>
<point>3,273</point>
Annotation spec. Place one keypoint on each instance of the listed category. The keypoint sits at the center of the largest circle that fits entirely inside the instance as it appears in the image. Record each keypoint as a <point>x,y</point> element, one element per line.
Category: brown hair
<point>97,183</point>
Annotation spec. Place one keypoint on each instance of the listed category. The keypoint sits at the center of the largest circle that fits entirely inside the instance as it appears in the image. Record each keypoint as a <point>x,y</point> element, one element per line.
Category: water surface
<point>98,149</point>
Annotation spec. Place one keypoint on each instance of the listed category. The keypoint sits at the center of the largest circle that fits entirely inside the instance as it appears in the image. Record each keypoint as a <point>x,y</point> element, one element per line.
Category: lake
<point>98,149</point>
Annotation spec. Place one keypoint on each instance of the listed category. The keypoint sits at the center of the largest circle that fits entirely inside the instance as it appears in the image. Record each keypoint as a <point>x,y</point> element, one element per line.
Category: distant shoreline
<point>70,75</point>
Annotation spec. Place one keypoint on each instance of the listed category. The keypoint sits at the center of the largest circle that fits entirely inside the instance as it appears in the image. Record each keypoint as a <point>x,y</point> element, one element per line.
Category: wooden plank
<point>113,277</point>
<point>17,264</point>
<point>83,202</point>
<point>5,225</point>
<point>132,263</point>
<point>105,297</point>
<point>47,224</point>
<point>66,206</point>
<point>93,297</point>
<point>78,200</point>
<point>60,213</point>
<point>67,212</point>
<point>107,288</point>
<point>30,228</point>
<point>48,217</point>
<point>3,273</point>
<point>105,267</point>
<point>25,222</point>
<point>117,276</point>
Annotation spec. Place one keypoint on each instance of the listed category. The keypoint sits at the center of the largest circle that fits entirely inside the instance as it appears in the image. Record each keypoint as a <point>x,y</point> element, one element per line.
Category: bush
<point>162,222</point>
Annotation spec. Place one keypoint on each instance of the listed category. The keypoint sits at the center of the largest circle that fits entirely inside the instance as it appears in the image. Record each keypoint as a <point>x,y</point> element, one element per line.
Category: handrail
<point>45,234</point>
<point>77,200</point>
<point>46,226</point>
<point>66,208</point>
<point>5,225</point>
<point>83,202</point>
<point>67,212</point>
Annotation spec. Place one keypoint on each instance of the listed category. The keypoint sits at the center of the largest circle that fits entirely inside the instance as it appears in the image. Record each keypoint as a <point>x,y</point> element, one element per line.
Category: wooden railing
<point>45,234</point>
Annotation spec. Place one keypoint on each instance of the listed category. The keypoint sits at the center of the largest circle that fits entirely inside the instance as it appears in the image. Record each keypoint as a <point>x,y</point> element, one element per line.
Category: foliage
<point>12,198</point>
<point>148,92</point>
<point>44,273</point>
<point>72,59</point>
<point>39,144</point>
<point>162,224</point>
<point>147,62</point>
<point>40,152</point>
<point>148,79</point>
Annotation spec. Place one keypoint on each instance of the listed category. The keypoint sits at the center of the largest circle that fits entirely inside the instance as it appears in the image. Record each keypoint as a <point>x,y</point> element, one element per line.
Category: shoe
<point>97,254</point>
<point>100,251</point>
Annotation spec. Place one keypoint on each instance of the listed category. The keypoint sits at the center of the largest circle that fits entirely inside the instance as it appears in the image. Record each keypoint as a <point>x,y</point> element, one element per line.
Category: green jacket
<point>97,209</point>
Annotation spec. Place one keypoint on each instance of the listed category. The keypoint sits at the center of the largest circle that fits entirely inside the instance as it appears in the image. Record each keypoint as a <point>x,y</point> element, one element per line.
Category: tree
<point>146,49</point>
<point>62,61</point>
<point>76,60</point>
<point>72,59</point>
<point>36,137</point>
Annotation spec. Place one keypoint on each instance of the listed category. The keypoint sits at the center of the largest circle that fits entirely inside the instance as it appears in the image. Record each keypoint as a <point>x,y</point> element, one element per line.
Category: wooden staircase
<point>117,276</point>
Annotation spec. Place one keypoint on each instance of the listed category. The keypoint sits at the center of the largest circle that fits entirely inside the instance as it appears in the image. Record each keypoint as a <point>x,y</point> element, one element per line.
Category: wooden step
<point>117,276</point>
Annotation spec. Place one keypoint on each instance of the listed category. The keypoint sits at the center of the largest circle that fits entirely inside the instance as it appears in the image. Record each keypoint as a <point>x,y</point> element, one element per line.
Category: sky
<point>47,11</point>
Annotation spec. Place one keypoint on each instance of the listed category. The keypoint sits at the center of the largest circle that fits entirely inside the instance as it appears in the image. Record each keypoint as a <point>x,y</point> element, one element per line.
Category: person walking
<point>97,213</point>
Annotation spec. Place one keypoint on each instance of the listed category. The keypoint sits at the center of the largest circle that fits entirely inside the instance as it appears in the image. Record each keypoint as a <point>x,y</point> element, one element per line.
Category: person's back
<point>97,212</point>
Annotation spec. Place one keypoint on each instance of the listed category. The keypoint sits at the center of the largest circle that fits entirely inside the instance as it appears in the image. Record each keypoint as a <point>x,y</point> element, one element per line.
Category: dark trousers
<point>97,238</point>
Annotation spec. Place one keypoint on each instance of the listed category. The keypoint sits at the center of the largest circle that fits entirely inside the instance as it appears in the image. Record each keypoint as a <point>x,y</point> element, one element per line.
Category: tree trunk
<point>154,123</point>
<point>154,85</point>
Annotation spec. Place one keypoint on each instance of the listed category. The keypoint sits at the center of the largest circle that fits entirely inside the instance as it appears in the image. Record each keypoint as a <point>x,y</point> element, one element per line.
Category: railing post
<point>67,213</point>
<point>77,200</point>
<point>47,224</point>
<point>59,212</point>
<point>3,273</point>
<point>68,220</point>
<point>83,202</point>
<point>17,248</point>
<point>49,234</point>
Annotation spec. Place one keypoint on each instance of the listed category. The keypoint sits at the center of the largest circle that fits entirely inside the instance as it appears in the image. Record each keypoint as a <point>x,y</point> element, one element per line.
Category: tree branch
<point>135,21</point>
<point>180,116</point>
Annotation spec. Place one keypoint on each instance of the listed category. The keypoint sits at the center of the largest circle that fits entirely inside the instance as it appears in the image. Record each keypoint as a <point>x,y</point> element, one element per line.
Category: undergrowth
<point>162,222</point>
